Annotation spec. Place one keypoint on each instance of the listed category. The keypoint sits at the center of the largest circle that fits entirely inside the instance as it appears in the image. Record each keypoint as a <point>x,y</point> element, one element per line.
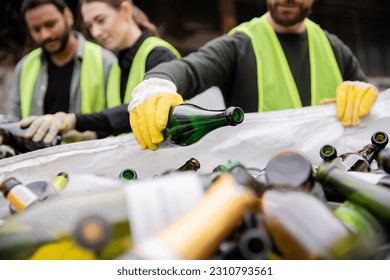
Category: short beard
<point>64,41</point>
<point>304,12</point>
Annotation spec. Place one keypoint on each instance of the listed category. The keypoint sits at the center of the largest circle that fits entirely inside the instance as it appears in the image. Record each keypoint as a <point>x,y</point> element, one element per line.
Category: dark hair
<point>140,18</point>
<point>31,4</point>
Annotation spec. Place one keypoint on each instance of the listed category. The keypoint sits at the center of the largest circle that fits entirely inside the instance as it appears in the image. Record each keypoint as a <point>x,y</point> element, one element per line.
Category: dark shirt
<point>115,121</point>
<point>58,89</point>
<point>296,49</point>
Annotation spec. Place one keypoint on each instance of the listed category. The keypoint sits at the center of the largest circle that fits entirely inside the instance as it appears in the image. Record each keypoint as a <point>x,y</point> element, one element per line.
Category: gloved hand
<point>149,110</point>
<point>48,126</point>
<point>353,101</point>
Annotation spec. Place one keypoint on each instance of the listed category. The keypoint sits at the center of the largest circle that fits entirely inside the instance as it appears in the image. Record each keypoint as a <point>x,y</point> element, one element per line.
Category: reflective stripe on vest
<point>137,71</point>
<point>277,88</point>
<point>91,80</point>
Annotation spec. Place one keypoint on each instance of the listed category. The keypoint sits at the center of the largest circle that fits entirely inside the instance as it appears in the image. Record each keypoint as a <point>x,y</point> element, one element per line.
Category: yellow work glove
<point>353,101</point>
<point>149,110</point>
<point>48,126</point>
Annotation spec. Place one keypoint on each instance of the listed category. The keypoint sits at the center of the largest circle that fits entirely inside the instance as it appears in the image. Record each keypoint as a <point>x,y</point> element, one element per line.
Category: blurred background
<point>363,25</point>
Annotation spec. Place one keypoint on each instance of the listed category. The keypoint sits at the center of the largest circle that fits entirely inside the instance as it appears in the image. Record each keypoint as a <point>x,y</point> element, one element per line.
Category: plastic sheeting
<point>254,142</point>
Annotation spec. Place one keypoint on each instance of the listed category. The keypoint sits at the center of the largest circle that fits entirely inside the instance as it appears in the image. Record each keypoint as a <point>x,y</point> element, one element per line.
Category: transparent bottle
<point>187,123</point>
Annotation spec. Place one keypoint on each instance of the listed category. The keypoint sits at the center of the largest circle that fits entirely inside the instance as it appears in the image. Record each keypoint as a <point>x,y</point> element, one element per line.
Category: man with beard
<point>279,61</point>
<point>65,74</point>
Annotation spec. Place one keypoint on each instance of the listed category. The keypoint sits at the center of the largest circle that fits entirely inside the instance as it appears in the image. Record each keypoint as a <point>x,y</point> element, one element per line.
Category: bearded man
<point>281,60</point>
<point>65,74</point>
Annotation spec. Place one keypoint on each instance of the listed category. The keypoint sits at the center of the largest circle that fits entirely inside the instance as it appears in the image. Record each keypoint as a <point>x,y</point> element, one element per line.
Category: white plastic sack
<point>254,142</point>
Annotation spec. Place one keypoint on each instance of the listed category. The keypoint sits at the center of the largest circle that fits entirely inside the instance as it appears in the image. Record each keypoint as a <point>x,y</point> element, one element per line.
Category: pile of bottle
<point>289,209</point>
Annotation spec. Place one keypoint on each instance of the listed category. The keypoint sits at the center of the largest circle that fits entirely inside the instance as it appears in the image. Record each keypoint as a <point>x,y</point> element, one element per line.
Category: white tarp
<point>253,142</point>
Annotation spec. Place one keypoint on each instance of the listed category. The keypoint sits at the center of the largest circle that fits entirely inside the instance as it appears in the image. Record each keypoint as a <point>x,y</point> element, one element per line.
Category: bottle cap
<point>93,233</point>
<point>289,168</point>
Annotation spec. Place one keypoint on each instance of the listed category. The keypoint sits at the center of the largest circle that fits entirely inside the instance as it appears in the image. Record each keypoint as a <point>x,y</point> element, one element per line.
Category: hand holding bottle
<point>48,126</point>
<point>149,110</point>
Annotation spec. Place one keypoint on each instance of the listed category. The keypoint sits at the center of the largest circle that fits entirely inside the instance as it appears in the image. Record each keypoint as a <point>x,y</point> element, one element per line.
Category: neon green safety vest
<point>277,88</point>
<point>91,79</point>
<point>137,71</point>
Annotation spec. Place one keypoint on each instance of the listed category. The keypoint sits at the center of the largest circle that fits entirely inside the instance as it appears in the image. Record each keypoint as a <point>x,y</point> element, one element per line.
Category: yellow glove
<point>48,126</point>
<point>149,111</point>
<point>353,101</point>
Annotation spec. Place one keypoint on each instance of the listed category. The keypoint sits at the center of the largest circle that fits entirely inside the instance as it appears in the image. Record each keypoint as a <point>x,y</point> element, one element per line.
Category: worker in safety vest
<point>66,73</point>
<point>123,28</point>
<point>279,61</point>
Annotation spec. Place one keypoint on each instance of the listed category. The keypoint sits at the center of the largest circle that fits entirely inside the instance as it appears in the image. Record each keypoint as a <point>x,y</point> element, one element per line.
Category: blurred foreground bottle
<point>302,228</point>
<point>360,160</point>
<point>361,221</point>
<point>14,136</point>
<point>187,123</point>
<point>198,233</point>
<point>373,197</point>
<point>69,227</point>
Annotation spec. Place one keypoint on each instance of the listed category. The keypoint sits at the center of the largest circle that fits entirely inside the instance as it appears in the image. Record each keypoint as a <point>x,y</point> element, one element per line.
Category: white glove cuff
<point>150,87</point>
<point>361,84</point>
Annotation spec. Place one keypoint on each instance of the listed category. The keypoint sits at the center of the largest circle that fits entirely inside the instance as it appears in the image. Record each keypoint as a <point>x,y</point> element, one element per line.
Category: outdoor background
<point>363,25</point>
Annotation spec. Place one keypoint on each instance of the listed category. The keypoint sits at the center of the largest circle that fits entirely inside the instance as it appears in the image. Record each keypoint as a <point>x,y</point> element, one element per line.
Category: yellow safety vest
<point>91,79</point>
<point>137,71</point>
<point>276,85</point>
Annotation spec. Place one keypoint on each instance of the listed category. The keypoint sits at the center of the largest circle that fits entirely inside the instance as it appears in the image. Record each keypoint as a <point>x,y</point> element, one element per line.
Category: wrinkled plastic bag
<point>254,142</point>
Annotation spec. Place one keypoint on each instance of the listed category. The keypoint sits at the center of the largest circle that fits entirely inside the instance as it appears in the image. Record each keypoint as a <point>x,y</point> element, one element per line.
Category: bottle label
<point>21,197</point>
<point>153,204</point>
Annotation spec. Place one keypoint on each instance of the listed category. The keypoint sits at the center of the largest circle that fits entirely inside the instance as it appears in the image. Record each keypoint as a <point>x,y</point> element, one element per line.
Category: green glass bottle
<point>373,197</point>
<point>361,221</point>
<point>187,123</point>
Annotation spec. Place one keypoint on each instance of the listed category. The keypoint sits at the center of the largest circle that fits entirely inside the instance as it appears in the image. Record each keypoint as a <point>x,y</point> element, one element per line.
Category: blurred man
<point>279,61</point>
<point>65,74</point>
